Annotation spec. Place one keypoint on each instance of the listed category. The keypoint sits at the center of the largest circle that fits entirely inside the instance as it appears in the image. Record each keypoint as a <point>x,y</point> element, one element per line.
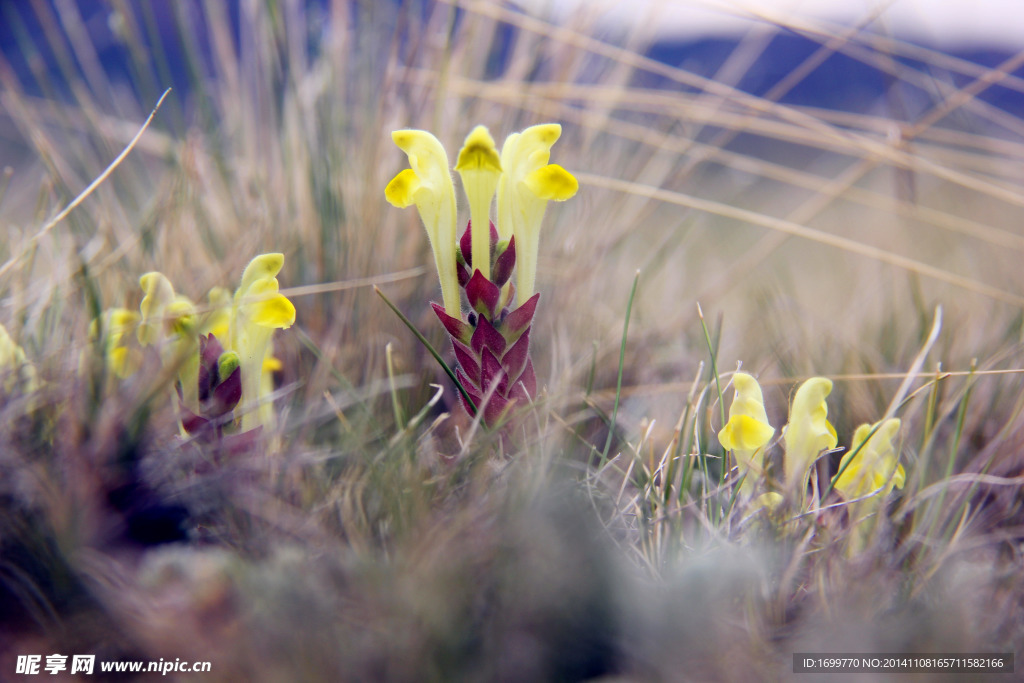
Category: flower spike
<point>491,342</point>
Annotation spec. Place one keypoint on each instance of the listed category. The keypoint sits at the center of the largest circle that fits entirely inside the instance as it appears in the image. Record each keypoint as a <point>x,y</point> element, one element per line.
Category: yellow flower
<point>769,501</point>
<point>428,185</point>
<point>480,168</point>
<point>808,433</point>
<point>122,360</point>
<point>527,183</point>
<point>15,367</point>
<point>169,322</point>
<point>218,318</point>
<point>258,309</point>
<point>875,463</point>
<point>872,469</point>
<point>747,432</point>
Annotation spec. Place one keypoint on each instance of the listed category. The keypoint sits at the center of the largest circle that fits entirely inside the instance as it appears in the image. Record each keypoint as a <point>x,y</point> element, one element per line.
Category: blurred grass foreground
<point>798,199</point>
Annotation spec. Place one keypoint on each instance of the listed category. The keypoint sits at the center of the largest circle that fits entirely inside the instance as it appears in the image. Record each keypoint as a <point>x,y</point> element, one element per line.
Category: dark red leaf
<point>226,395</point>
<point>496,409</point>
<point>483,295</point>
<point>466,243</point>
<point>467,361</point>
<point>525,388</point>
<point>486,336</point>
<point>192,423</point>
<point>456,328</point>
<point>470,389</point>
<point>504,264</point>
<point>519,320</point>
<point>514,360</point>
<point>209,353</point>
<point>491,372</point>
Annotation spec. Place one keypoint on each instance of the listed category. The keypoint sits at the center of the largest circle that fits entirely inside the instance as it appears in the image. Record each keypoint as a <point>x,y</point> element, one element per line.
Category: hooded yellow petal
<point>182,315</point>
<point>478,152</point>
<point>538,140</point>
<point>122,319</point>
<point>159,293</point>
<point>262,267</point>
<point>124,361</point>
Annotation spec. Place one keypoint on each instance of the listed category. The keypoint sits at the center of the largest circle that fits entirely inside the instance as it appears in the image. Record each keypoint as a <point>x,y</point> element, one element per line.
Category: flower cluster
<point>869,470</point>
<point>221,356</point>
<point>491,341</point>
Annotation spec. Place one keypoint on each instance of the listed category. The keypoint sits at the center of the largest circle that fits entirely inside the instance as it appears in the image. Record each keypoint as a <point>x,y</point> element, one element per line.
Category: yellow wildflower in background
<point>118,323</point>
<point>17,371</point>
<point>747,432</point>
<point>872,469</point>
<point>872,464</point>
<point>258,309</point>
<point>807,434</point>
<point>169,322</point>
